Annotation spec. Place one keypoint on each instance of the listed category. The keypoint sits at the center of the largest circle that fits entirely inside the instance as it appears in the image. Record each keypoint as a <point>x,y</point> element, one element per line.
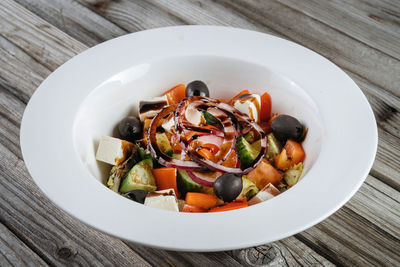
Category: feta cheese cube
<point>149,108</point>
<point>268,192</point>
<point>163,199</point>
<point>113,150</point>
<point>249,104</point>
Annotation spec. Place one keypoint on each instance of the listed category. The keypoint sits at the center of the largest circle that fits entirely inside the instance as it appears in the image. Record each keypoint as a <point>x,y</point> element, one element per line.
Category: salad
<point>189,152</point>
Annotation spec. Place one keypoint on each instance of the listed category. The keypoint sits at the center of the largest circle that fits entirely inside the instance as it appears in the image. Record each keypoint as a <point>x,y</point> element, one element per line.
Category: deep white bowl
<point>87,96</point>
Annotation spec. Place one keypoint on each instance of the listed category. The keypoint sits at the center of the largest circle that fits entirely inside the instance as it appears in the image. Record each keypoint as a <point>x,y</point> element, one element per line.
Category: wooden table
<point>360,36</point>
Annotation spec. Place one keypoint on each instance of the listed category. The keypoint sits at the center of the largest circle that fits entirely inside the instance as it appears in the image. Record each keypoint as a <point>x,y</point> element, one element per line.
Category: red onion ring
<point>233,122</point>
<point>156,153</point>
<point>197,177</point>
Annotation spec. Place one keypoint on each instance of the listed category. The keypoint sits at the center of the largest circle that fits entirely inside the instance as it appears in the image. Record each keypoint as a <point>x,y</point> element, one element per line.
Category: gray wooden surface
<point>360,36</point>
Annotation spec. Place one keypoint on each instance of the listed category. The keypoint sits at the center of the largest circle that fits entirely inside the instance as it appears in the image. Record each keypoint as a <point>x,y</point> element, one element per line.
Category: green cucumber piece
<point>249,189</point>
<point>274,147</point>
<point>139,177</point>
<point>143,155</point>
<point>186,184</point>
<point>163,144</point>
<point>210,119</point>
<point>247,152</point>
<point>292,175</point>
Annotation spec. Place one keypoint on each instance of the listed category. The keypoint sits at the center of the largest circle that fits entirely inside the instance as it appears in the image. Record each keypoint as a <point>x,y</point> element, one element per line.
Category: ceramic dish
<point>87,96</point>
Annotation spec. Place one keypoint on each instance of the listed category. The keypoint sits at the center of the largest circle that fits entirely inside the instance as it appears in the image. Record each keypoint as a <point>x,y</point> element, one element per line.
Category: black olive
<point>287,127</point>
<point>228,186</point>
<point>130,128</point>
<point>197,88</point>
<point>136,195</point>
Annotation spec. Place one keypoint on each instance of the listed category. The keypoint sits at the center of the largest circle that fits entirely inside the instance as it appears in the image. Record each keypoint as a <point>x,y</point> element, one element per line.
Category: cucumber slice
<point>186,184</point>
<point>292,175</point>
<point>247,152</point>
<point>163,144</point>
<point>143,155</point>
<point>274,147</point>
<point>210,119</point>
<point>249,189</point>
<point>139,177</point>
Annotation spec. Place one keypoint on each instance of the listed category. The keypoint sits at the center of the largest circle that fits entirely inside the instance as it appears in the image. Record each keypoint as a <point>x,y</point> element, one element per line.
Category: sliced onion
<point>210,139</point>
<point>204,178</point>
<point>234,124</point>
<point>162,158</point>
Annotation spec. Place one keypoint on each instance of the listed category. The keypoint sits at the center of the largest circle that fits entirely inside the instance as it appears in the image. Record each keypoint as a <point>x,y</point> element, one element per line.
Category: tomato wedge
<point>176,94</point>
<point>237,204</point>
<point>191,208</point>
<point>266,106</point>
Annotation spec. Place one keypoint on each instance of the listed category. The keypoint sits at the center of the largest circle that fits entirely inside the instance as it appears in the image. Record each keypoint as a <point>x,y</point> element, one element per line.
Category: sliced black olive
<point>287,127</point>
<point>228,186</point>
<point>130,128</point>
<point>136,195</point>
<point>197,88</point>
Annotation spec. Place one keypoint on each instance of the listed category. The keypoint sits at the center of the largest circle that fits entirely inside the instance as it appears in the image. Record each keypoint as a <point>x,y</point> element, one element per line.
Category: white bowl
<point>87,96</point>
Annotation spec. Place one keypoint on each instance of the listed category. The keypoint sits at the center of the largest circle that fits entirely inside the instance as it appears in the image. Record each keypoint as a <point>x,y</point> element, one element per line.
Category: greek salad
<point>189,152</point>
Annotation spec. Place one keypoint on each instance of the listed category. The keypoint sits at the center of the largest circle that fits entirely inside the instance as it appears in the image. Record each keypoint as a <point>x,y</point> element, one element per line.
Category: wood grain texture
<point>350,54</point>
<point>134,16</point>
<point>369,25</point>
<point>364,232</point>
<point>75,20</point>
<point>46,44</point>
<point>13,252</point>
<point>22,72</point>
<point>287,252</point>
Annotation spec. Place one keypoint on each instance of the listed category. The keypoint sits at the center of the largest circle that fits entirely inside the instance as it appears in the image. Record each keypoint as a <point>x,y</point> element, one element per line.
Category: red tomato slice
<point>266,106</point>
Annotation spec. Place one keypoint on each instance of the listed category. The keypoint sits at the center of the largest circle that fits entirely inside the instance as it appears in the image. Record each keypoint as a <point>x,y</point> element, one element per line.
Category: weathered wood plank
<point>383,188</point>
<point>287,252</point>
<point>369,25</point>
<point>20,70</point>
<point>10,118</point>
<point>319,247</point>
<point>55,236</point>
<point>378,208</point>
<point>14,252</point>
<point>204,12</point>
<point>350,240</point>
<point>74,19</point>
<point>364,232</point>
<point>46,44</point>
<point>386,165</point>
<point>350,54</point>
<point>158,257</point>
<point>134,15</point>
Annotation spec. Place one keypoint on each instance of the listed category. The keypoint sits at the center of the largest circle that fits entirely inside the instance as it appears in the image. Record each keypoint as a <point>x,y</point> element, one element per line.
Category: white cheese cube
<point>249,104</point>
<point>268,192</point>
<point>193,116</point>
<point>164,199</point>
<point>149,108</point>
<point>113,150</point>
